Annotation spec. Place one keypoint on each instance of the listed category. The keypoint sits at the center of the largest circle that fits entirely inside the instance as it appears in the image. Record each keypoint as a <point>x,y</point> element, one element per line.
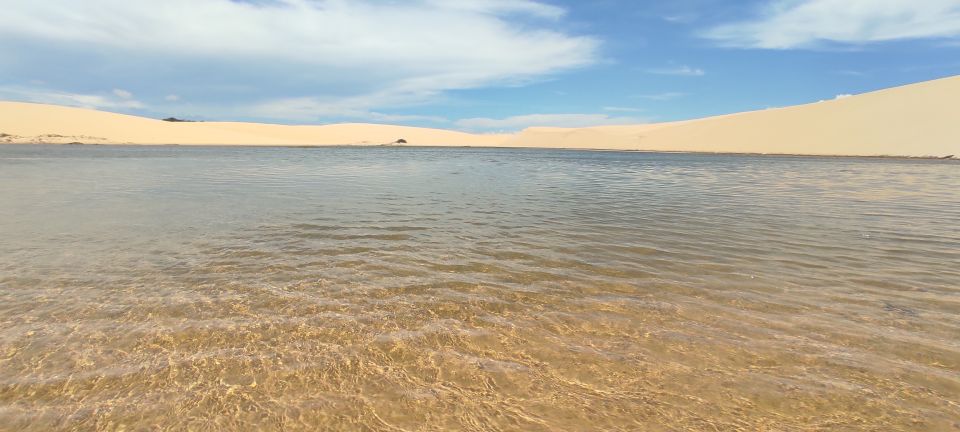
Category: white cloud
<point>662,96</point>
<point>852,73</point>
<point>496,7</point>
<point>533,120</point>
<point>678,70</point>
<point>112,100</point>
<point>350,108</point>
<point>402,118</point>
<point>837,97</point>
<point>680,19</point>
<point>297,59</point>
<point>171,98</point>
<point>621,109</point>
<point>122,94</point>
<point>786,24</point>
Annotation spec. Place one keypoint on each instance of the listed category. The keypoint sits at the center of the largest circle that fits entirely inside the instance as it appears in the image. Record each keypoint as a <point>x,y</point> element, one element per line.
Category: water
<point>391,289</point>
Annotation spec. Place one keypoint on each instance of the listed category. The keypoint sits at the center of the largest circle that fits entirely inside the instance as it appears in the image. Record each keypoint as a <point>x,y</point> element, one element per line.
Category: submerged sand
<point>400,289</point>
<point>913,120</point>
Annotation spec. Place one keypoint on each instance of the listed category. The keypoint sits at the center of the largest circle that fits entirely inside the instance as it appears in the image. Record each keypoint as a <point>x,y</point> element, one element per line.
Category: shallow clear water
<point>475,289</point>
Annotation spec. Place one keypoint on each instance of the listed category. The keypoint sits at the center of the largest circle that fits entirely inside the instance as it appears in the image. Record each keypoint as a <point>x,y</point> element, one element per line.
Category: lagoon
<point>224,288</point>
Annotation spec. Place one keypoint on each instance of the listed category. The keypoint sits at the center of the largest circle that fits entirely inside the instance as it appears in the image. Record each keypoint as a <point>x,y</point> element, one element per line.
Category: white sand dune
<point>915,120</point>
<point>36,123</point>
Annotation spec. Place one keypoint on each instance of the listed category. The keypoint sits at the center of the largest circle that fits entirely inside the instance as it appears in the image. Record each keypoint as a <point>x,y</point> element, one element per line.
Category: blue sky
<point>477,65</point>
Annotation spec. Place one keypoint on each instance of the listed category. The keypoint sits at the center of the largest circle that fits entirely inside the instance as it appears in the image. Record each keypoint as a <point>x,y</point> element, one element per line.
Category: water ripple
<point>468,289</point>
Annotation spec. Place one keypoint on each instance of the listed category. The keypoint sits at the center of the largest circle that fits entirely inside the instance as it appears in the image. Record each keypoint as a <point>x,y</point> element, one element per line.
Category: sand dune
<point>29,123</point>
<point>915,120</point>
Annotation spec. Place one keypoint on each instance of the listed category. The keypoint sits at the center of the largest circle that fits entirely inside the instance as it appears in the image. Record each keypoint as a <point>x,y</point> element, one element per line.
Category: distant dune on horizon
<point>919,120</point>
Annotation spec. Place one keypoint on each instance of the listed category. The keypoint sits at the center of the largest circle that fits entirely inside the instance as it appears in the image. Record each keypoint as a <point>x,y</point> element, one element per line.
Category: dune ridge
<point>913,120</point>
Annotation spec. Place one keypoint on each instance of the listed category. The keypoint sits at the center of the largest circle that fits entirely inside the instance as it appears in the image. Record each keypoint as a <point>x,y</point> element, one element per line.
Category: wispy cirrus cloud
<point>680,18</point>
<point>514,123</point>
<point>791,24</point>
<point>682,70</point>
<point>116,99</point>
<point>293,60</point>
<point>621,109</point>
<point>665,96</point>
<point>349,109</point>
<point>498,7</point>
<point>851,73</point>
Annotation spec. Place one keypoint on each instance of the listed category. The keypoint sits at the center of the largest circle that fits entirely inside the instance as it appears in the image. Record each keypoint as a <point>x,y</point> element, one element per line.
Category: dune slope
<point>914,120</point>
<point>37,123</point>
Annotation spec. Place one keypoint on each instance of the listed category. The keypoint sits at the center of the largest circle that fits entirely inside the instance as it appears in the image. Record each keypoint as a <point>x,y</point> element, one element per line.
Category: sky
<point>472,65</point>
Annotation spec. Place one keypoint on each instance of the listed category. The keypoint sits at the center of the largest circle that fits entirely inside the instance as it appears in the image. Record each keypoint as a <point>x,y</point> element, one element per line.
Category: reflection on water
<point>466,289</point>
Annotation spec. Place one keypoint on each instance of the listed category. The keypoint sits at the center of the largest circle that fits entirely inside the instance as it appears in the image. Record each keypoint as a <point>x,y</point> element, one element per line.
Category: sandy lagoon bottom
<point>153,288</point>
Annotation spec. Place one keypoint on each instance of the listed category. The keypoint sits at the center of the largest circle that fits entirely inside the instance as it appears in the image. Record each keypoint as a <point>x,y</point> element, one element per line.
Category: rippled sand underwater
<point>166,288</point>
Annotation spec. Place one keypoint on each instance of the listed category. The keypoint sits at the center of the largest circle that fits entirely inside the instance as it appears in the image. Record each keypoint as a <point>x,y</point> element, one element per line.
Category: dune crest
<point>913,120</point>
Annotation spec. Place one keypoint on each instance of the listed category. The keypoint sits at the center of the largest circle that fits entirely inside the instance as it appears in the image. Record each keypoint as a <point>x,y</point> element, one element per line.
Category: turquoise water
<point>475,289</point>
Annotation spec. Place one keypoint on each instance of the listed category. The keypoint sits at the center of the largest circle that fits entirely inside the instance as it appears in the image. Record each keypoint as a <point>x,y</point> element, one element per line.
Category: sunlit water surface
<point>464,289</point>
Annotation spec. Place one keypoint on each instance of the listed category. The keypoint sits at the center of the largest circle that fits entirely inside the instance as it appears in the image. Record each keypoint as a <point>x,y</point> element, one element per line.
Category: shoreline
<point>375,146</point>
